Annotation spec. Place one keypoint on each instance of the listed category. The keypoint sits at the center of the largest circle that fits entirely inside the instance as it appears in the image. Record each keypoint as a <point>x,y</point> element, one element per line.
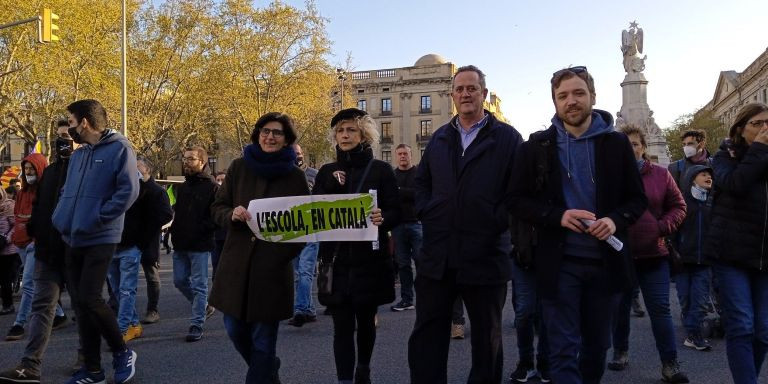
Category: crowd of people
<point>578,217</point>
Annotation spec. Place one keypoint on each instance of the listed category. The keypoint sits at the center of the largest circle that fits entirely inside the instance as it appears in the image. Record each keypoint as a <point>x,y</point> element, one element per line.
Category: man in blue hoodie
<point>578,184</point>
<point>102,183</point>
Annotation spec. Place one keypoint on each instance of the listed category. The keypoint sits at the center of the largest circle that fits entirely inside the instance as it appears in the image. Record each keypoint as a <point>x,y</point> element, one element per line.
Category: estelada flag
<point>10,173</point>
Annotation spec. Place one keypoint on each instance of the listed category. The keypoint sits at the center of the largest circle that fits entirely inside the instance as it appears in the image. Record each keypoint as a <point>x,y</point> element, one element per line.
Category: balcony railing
<point>385,140</point>
<point>425,110</point>
<point>386,113</point>
<point>423,139</point>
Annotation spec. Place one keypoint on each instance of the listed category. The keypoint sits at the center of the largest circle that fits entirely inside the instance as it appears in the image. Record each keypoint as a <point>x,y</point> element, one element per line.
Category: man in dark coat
<point>49,263</point>
<point>578,184</point>
<point>192,236</point>
<point>461,193</point>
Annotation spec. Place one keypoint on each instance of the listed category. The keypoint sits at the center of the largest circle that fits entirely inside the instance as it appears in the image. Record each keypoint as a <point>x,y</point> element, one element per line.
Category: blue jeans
<point>744,300</point>
<point>304,275</point>
<point>190,276</point>
<point>257,344</point>
<point>27,255</point>
<point>407,244</point>
<point>654,283</point>
<point>578,323</point>
<point>123,275</point>
<point>528,316</point>
<point>693,292</point>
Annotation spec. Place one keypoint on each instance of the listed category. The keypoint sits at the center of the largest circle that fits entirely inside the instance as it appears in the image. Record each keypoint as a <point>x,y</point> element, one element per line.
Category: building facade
<point>736,89</point>
<point>409,103</point>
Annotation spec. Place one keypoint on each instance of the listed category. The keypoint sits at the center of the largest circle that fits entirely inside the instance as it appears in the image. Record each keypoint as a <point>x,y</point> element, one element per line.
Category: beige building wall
<point>736,89</point>
<point>409,103</point>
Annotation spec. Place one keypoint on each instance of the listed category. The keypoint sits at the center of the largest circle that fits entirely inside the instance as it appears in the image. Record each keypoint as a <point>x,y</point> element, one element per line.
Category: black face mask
<point>64,147</point>
<point>74,135</point>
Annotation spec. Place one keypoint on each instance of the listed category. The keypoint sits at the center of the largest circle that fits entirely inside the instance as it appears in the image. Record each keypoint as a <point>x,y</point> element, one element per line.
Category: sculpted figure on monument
<point>631,47</point>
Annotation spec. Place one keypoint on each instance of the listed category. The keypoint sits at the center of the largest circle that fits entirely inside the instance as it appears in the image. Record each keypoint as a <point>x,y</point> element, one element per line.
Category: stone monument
<point>634,108</point>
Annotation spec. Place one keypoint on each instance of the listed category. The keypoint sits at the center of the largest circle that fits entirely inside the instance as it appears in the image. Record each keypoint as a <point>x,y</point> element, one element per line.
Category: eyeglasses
<point>264,131</point>
<point>758,123</point>
<point>189,159</point>
<point>577,70</point>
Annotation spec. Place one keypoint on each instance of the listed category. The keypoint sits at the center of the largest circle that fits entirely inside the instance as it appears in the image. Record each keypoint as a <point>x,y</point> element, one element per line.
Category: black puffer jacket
<point>143,220</point>
<point>193,226</point>
<point>361,275</point>
<point>738,233</point>
<point>691,236</point>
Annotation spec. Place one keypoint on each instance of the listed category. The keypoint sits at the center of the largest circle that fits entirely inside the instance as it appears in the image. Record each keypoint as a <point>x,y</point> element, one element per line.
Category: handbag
<point>675,259</point>
<point>325,266</point>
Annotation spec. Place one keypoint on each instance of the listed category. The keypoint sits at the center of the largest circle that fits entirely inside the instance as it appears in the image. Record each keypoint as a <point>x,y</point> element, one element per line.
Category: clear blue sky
<point>518,44</point>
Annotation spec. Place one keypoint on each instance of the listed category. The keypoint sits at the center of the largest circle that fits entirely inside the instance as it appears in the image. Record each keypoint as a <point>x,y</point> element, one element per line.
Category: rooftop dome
<point>430,59</point>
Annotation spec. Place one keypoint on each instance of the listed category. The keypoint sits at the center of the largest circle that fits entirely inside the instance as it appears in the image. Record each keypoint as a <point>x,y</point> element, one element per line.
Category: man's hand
<point>571,219</point>
<point>240,214</point>
<point>376,217</point>
<point>602,229</point>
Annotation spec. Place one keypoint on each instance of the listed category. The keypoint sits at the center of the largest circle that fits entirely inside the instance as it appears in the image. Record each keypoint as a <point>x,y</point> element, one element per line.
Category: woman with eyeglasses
<point>256,291</point>
<point>738,239</point>
<point>363,271</point>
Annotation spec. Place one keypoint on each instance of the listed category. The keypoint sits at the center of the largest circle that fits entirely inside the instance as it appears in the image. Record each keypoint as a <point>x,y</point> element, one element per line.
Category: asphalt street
<point>306,352</point>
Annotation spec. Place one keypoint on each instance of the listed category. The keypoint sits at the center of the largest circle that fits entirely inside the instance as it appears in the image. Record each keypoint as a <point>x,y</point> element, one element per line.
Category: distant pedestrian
<point>408,234</point>
<point>694,142</point>
<point>192,236</point>
<point>9,254</point>
<point>737,239</point>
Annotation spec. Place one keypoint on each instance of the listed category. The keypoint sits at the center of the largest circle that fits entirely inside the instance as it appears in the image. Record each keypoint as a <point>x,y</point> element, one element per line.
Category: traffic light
<point>49,28</point>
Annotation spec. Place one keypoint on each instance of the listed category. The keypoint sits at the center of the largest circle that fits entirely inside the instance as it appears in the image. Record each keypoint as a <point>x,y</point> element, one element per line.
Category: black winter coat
<point>150,211</point>
<point>254,278</point>
<point>461,200</point>
<point>692,234</point>
<point>738,233</point>
<point>361,275</point>
<point>620,196</point>
<point>193,226</point>
<point>49,246</point>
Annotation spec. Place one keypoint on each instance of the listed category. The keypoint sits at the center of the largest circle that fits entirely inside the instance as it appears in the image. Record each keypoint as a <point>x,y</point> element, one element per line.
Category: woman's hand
<point>240,214</point>
<point>340,176</point>
<point>762,136</point>
<point>376,217</point>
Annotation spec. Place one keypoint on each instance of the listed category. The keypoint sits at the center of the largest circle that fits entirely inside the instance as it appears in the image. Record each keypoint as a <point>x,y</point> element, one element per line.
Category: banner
<point>314,218</point>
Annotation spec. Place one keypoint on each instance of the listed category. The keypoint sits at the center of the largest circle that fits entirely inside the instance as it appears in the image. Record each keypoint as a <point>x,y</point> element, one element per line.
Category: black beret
<point>347,114</point>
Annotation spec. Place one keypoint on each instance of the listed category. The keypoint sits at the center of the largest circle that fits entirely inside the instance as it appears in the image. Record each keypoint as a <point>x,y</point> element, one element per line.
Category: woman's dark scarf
<point>269,165</point>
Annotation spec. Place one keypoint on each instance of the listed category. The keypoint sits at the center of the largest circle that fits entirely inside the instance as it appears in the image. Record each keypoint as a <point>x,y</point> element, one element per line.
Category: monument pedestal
<point>635,110</point>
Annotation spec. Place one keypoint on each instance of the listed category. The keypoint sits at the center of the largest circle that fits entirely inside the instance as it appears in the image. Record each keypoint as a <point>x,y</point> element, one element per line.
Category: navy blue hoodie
<point>102,183</point>
<point>577,163</point>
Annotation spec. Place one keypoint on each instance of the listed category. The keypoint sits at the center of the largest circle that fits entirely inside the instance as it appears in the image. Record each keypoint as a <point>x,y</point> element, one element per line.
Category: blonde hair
<point>368,129</point>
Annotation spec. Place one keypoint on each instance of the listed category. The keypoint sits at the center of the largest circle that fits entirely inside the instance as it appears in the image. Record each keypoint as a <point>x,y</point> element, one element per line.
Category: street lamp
<point>212,163</point>
<point>342,76</point>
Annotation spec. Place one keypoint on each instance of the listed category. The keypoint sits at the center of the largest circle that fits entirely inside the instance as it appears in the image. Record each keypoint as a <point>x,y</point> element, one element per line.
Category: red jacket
<point>24,199</point>
<point>665,213</point>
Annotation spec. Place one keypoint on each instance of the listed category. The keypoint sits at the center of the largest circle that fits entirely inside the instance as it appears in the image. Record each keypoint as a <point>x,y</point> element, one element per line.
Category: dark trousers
<point>9,269</point>
<point>256,342</point>
<point>578,323</point>
<point>346,318</point>
<point>86,273</point>
<point>429,342</point>
<point>49,279</point>
<point>152,275</point>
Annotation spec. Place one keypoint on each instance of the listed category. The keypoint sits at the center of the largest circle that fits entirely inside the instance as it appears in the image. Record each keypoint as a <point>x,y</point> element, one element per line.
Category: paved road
<point>164,356</point>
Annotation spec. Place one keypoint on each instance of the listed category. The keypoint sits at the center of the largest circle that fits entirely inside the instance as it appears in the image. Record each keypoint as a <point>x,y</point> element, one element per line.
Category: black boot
<point>362,374</point>
<point>274,376</point>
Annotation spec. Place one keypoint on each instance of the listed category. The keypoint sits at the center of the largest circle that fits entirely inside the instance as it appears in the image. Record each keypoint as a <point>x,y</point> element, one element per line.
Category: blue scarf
<point>269,165</point>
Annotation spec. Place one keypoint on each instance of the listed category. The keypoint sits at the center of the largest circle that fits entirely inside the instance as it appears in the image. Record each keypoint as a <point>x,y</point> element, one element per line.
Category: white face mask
<point>31,179</point>
<point>690,151</point>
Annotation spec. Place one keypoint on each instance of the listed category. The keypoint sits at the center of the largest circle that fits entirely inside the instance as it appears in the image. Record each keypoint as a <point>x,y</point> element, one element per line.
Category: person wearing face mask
<point>49,271</point>
<point>256,291</point>
<point>32,168</point>
<point>693,280</point>
<point>694,143</point>
<point>140,244</point>
<point>736,240</point>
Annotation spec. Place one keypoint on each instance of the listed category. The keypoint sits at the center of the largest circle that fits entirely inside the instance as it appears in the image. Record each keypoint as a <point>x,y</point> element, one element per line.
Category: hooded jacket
<point>665,213</point>
<point>461,201</point>
<point>102,183</point>
<point>619,196</point>
<point>25,198</point>
<point>690,238</point>
<point>738,233</point>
